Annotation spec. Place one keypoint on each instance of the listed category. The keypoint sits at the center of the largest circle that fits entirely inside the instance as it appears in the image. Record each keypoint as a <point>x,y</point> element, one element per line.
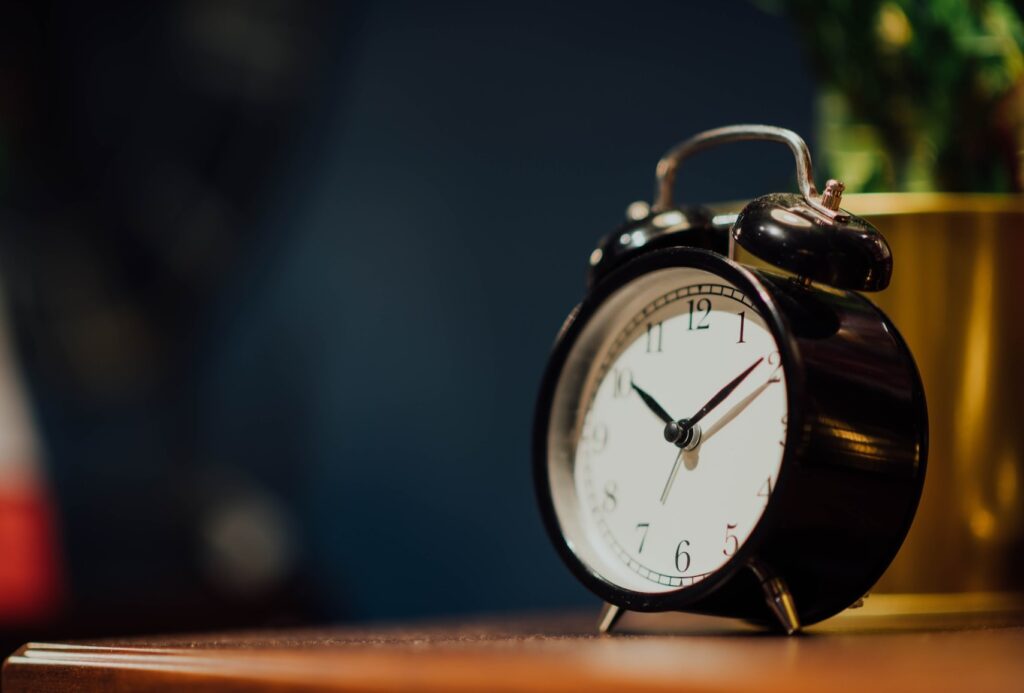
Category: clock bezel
<point>765,304</point>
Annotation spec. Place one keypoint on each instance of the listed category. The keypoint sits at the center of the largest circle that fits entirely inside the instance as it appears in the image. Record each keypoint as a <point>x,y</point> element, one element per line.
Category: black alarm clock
<point>719,439</point>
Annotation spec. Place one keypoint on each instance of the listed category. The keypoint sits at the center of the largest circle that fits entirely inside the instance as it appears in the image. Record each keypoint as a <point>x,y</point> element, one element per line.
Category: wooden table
<point>895,643</point>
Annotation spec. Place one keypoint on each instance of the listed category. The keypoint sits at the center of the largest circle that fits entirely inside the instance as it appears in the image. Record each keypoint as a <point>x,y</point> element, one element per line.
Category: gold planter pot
<point>957,296</point>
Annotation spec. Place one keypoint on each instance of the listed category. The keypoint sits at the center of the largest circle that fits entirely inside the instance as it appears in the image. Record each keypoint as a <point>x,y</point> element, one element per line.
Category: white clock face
<point>678,434</point>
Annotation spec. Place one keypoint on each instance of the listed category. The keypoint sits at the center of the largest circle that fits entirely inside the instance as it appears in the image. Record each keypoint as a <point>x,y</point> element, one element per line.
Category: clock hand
<point>737,409</point>
<point>689,453</point>
<point>679,431</point>
<point>671,476</point>
<point>652,404</point>
<point>683,432</point>
<point>723,393</point>
<point>689,459</point>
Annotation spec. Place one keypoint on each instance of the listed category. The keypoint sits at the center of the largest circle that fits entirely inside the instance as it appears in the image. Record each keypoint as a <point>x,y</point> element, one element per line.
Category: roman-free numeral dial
<point>680,430</point>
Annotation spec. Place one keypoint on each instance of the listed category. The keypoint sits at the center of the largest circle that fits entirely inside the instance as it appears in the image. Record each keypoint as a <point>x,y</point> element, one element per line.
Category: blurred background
<point>280,277</point>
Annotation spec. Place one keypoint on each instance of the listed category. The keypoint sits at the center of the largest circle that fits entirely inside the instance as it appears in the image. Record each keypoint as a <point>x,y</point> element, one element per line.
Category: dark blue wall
<point>284,276</point>
<point>428,240</point>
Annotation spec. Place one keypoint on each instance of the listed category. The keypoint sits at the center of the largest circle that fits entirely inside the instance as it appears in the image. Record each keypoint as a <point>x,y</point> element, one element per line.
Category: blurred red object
<point>30,572</point>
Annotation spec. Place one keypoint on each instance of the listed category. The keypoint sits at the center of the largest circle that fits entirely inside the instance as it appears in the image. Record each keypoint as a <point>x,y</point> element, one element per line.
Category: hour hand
<point>653,405</point>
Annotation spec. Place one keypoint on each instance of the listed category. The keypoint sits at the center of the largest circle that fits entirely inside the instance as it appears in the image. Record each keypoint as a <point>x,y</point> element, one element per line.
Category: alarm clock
<point>728,440</point>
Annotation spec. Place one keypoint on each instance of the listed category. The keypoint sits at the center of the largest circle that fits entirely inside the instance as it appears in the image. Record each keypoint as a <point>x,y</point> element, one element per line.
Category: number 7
<point>645,526</point>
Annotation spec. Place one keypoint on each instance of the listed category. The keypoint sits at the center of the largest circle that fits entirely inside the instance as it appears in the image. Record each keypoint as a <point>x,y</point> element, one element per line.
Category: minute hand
<point>722,394</point>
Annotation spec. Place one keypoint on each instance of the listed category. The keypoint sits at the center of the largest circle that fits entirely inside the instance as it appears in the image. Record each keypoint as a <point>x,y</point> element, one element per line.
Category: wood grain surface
<point>902,643</point>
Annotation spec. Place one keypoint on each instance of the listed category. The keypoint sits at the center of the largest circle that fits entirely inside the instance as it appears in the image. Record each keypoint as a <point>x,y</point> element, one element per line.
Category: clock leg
<point>610,615</point>
<point>778,597</point>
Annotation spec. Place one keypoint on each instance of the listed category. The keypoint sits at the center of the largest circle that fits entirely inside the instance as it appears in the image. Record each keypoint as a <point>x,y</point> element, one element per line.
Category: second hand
<point>672,476</point>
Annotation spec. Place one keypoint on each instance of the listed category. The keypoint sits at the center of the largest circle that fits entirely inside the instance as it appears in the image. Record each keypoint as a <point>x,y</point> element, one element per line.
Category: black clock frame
<point>855,455</point>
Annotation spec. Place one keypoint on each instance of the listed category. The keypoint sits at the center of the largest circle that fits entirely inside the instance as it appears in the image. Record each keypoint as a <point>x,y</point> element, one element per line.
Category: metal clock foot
<point>610,615</point>
<point>778,597</point>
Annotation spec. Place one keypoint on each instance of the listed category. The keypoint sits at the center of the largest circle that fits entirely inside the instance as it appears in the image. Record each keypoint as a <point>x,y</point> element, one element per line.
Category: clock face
<point>668,430</point>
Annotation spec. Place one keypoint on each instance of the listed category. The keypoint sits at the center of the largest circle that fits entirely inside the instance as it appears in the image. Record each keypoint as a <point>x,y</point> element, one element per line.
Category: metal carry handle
<point>668,166</point>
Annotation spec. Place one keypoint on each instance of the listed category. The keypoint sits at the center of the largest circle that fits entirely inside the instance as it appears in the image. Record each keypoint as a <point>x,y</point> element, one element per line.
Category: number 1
<point>653,337</point>
<point>743,320</point>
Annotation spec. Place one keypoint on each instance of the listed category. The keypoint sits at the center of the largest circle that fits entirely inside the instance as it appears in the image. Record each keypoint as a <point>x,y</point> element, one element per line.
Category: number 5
<point>730,538</point>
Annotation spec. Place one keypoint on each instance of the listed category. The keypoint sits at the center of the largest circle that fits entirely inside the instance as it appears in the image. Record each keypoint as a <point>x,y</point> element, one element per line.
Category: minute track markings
<point>631,331</point>
<point>639,568</point>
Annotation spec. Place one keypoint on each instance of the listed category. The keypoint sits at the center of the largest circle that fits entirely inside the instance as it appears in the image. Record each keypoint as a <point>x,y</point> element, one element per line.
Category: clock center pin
<point>683,434</point>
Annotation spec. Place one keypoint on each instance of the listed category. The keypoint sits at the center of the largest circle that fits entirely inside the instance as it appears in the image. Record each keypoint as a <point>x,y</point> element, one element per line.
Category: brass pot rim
<point>882,204</point>
<point>887,204</point>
